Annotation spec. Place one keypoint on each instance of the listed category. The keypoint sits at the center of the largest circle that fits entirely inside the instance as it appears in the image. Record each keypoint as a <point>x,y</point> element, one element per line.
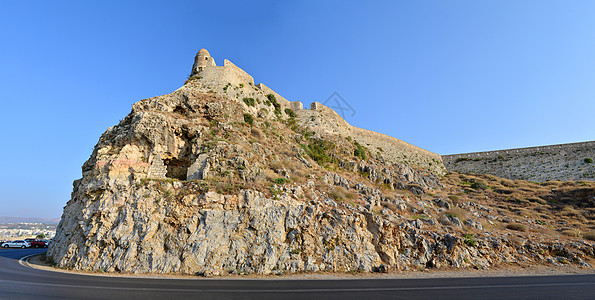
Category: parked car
<point>16,244</point>
<point>37,243</point>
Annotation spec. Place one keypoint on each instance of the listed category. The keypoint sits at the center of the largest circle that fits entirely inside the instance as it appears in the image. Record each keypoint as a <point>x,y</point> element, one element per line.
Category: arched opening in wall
<point>176,168</point>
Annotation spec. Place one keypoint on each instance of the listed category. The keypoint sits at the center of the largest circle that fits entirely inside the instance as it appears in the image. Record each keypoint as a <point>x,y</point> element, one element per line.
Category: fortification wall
<point>222,75</point>
<point>294,105</point>
<point>325,120</point>
<point>319,118</point>
<point>554,162</point>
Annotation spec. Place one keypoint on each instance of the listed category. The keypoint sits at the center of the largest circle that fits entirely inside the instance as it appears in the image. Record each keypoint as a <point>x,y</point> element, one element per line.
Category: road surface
<point>18,281</point>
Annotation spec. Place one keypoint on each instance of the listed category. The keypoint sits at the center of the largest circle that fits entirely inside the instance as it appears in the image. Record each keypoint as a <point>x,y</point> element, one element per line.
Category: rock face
<point>221,178</point>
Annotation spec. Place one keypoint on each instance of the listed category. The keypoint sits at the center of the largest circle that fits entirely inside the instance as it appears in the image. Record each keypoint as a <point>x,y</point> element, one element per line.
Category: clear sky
<point>448,76</point>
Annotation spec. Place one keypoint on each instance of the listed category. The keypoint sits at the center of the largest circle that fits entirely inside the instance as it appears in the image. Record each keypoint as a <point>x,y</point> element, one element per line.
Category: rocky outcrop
<point>208,181</point>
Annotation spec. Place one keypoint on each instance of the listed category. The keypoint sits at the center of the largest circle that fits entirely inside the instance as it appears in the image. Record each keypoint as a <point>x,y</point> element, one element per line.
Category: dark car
<point>37,243</point>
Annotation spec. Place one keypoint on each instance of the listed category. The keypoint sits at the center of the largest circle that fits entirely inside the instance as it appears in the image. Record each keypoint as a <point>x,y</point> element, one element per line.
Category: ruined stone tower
<point>202,59</point>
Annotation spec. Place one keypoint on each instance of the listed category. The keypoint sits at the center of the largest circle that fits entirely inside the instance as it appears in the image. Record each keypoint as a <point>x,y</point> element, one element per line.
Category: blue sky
<point>448,76</point>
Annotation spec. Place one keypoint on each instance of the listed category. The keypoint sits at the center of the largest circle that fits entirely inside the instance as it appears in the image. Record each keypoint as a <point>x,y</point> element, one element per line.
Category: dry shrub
<point>257,134</point>
<point>569,211</point>
<point>590,236</point>
<point>341,194</point>
<point>461,214</point>
<point>536,200</point>
<point>516,241</point>
<point>521,211</point>
<point>270,175</point>
<point>309,194</point>
<point>507,183</point>
<point>571,232</point>
<point>444,220</point>
<point>504,191</point>
<point>390,205</point>
<point>516,226</point>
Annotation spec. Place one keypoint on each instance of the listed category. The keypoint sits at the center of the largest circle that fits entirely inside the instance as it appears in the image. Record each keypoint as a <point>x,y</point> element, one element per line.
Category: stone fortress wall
<point>554,162</point>
<point>323,119</point>
<point>319,118</point>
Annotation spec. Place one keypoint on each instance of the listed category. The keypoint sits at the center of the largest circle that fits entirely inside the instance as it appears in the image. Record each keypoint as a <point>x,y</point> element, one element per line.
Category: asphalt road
<point>18,281</point>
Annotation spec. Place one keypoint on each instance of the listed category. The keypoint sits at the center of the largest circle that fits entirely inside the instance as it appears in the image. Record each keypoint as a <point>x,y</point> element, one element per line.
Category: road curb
<point>24,261</point>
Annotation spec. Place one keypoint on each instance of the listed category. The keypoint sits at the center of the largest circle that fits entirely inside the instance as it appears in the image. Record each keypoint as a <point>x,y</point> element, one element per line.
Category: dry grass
<point>571,232</point>
<point>459,213</point>
<point>341,194</point>
<point>590,236</point>
<point>516,226</point>
<point>389,205</point>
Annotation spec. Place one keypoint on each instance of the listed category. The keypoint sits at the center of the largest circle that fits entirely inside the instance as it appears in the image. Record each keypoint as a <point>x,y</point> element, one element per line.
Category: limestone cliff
<point>220,177</point>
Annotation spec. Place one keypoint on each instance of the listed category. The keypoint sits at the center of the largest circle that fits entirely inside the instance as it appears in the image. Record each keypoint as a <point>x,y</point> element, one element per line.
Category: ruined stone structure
<point>555,162</point>
<point>236,83</point>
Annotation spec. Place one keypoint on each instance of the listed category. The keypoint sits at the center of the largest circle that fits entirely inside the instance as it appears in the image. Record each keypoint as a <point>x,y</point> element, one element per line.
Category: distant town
<point>12,228</point>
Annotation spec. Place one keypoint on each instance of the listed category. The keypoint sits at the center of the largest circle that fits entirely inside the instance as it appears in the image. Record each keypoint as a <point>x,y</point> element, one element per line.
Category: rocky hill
<point>223,176</point>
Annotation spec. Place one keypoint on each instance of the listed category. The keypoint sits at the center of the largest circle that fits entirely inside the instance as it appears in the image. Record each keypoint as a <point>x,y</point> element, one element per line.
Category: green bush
<point>290,113</point>
<point>249,119</point>
<point>276,104</point>
<point>318,150</point>
<point>359,151</point>
<point>281,180</point>
<point>589,160</point>
<point>479,185</point>
<point>249,101</point>
<point>470,240</point>
<point>460,159</point>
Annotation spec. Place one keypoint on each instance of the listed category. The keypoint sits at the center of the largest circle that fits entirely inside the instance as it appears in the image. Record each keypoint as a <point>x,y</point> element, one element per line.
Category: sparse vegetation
<point>359,152</point>
<point>290,113</point>
<point>470,240</point>
<point>479,185</point>
<point>588,160</point>
<point>249,101</point>
<point>282,180</point>
<point>319,150</point>
<point>273,101</point>
<point>249,119</point>
<point>516,226</point>
<point>341,194</point>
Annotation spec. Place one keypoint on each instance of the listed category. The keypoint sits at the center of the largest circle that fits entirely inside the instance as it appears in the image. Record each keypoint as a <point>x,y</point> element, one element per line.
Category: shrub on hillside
<point>273,101</point>
<point>589,160</point>
<point>249,101</point>
<point>359,151</point>
<point>249,119</point>
<point>516,226</point>
<point>290,113</point>
<point>281,180</point>
<point>479,185</point>
<point>319,150</point>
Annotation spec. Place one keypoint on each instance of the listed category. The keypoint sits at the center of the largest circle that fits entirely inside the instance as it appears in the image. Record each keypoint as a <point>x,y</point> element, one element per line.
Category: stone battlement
<point>209,73</point>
